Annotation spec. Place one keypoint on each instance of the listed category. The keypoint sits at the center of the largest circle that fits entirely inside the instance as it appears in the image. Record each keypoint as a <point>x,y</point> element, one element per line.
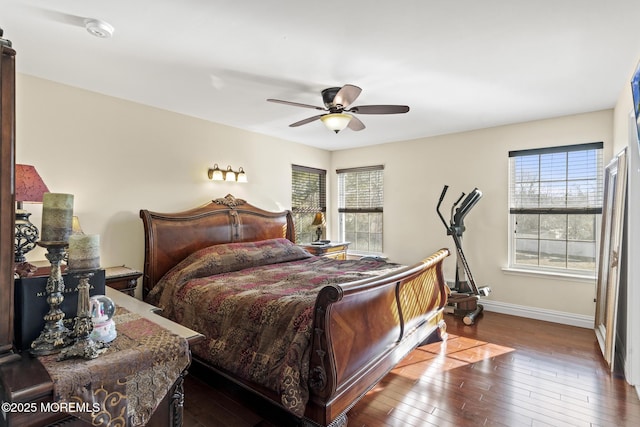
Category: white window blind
<point>308,197</point>
<point>360,207</point>
<point>555,202</point>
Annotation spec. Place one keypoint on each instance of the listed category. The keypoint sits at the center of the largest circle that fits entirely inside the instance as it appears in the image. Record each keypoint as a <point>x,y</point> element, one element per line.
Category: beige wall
<point>416,171</point>
<point>118,157</point>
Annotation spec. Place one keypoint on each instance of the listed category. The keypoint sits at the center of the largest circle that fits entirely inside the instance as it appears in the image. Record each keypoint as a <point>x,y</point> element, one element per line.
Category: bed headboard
<point>171,237</point>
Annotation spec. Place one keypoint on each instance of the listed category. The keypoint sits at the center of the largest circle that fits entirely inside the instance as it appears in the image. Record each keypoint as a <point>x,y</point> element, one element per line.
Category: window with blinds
<point>555,205</point>
<point>308,197</point>
<point>360,208</point>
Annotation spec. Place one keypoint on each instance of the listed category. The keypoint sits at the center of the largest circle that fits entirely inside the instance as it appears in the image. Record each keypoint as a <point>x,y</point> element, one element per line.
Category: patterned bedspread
<point>257,320</point>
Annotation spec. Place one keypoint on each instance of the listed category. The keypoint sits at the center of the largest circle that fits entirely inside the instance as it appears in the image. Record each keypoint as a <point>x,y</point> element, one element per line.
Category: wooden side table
<point>25,383</point>
<point>122,278</point>
<point>337,250</point>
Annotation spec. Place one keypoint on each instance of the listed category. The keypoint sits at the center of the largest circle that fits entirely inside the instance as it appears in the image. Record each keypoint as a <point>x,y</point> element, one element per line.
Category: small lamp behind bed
<point>318,220</point>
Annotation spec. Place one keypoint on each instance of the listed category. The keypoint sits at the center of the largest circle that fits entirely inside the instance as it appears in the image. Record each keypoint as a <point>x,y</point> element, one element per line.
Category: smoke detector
<point>98,28</point>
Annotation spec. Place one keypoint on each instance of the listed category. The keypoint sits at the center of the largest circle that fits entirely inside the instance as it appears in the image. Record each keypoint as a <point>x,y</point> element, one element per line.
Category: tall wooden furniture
<point>7,197</point>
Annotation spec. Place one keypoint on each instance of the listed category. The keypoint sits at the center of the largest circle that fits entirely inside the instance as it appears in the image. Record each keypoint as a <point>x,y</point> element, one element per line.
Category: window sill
<point>550,275</point>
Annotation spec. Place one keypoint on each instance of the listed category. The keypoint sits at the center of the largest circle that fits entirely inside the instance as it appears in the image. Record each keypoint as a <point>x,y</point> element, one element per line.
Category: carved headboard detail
<point>171,237</point>
<point>230,201</point>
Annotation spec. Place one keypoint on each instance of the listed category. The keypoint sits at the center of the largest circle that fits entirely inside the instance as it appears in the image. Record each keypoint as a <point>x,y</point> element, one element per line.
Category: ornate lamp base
<point>84,346</point>
<point>26,235</point>
<point>51,340</point>
<point>55,336</point>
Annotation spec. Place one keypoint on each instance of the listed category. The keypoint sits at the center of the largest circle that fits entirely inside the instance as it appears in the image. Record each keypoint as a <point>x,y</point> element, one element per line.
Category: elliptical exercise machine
<point>464,296</point>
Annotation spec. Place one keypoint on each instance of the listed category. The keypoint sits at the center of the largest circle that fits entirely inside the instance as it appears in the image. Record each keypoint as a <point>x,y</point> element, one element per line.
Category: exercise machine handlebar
<point>444,191</point>
<point>468,203</point>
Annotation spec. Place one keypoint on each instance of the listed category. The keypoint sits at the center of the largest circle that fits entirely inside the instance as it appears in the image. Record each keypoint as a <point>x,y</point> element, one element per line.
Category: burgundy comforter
<point>254,303</point>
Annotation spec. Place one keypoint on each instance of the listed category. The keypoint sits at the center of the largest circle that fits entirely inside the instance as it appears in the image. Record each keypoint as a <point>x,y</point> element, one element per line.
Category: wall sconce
<point>217,174</point>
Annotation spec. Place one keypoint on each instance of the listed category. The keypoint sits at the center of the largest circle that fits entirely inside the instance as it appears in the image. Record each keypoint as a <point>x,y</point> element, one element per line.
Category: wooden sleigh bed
<point>361,323</point>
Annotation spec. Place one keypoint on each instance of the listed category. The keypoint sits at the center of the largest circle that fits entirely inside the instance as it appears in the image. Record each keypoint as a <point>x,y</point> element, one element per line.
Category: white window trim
<point>573,276</point>
<point>341,215</point>
<point>547,272</point>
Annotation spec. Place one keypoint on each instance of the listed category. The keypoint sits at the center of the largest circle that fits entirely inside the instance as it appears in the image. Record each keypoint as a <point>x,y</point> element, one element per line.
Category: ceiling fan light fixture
<point>337,101</point>
<point>98,28</point>
<point>336,121</point>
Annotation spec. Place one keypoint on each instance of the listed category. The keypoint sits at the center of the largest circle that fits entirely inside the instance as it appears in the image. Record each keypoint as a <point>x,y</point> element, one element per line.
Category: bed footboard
<point>363,329</point>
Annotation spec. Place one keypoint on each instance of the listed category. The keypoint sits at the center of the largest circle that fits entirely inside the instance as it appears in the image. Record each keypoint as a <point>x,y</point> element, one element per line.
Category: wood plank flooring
<point>502,371</point>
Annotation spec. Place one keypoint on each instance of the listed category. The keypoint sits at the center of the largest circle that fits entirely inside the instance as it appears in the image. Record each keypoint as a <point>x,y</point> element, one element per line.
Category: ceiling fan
<point>337,101</point>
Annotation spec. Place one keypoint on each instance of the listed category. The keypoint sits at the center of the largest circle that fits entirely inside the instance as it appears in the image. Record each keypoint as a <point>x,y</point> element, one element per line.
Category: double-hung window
<point>555,207</point>
<point>360,203</point>
<point>308,198</point>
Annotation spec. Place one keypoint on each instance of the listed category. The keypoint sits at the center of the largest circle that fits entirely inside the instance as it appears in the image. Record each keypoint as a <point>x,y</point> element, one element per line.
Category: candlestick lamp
<point>57,217</point>
<point>57,214</point>
<point>84,260</point>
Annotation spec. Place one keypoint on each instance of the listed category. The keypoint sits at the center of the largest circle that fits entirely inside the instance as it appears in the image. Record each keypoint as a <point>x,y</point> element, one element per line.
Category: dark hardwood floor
<point>502,371</point>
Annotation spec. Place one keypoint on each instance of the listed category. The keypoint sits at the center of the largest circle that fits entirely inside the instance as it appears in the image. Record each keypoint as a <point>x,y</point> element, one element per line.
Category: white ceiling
<point>460,65</point>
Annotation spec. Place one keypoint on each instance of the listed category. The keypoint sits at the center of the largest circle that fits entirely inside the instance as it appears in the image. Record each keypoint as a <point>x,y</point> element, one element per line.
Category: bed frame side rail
<point>363,329</point>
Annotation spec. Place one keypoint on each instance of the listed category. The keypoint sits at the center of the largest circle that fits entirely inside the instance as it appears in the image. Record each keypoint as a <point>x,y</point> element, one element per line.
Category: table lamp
<point>30,189</point>
<point>319,221</point>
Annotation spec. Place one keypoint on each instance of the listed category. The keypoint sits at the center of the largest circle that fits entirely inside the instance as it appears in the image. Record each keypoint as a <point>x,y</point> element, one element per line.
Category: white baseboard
<point>562,317</point>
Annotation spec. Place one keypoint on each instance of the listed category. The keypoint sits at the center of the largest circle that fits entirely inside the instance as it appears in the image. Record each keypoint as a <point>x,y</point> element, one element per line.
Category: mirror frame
<point>615,187</point>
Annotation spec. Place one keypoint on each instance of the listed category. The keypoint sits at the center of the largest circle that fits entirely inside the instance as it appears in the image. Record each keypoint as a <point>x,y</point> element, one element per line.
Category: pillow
<point>230,257</point>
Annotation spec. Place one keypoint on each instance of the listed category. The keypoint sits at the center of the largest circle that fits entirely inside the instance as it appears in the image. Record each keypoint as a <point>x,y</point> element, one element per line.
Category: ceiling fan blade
<point>346,95</point>
<point>296,104</point>
<point>355,124</point>
<point>305,121</point>
<point>379,109</point>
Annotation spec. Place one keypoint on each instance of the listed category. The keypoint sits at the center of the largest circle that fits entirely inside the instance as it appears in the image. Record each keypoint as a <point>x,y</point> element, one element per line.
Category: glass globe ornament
<point>102,311</point>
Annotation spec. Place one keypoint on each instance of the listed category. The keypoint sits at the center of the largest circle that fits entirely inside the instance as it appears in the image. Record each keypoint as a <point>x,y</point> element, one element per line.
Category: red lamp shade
<point>29,185</point>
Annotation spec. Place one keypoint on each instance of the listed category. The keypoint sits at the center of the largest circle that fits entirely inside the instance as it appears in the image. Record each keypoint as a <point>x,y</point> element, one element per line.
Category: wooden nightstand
<point>337,250</point>
<point>122,278</point>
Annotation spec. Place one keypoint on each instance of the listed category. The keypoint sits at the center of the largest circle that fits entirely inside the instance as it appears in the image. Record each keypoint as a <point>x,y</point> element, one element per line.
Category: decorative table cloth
<point>125,384</point>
